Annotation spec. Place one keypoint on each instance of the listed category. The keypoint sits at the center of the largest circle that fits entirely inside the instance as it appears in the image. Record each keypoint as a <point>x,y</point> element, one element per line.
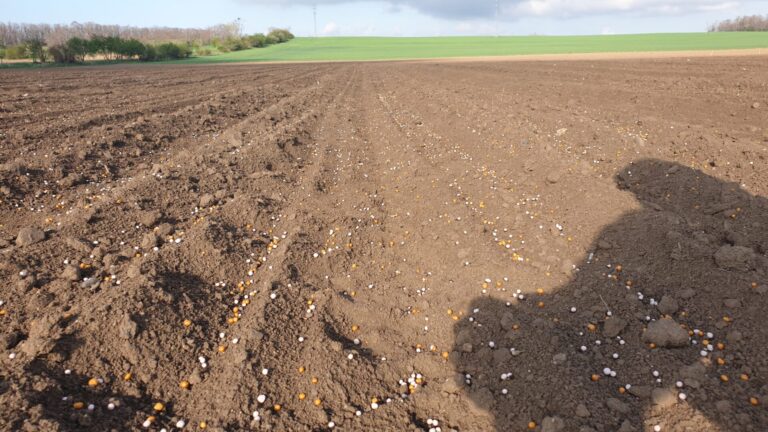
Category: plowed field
<point>555,246</point>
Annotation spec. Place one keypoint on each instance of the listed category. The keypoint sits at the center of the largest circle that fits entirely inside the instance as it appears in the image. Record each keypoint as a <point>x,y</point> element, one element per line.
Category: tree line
<point>55,34</point>
<point>742,23</point>
<point>75,49</point>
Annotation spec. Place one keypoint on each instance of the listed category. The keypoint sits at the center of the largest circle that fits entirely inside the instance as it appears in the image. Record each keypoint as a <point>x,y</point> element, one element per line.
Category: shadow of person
<point>696,253</point>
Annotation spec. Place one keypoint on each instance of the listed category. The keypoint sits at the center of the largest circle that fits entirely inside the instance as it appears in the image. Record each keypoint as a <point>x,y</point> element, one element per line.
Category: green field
<point>382,48</point>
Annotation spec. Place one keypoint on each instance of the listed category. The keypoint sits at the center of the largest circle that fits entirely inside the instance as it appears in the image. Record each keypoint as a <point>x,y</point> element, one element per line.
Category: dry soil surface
<point>577,246</point>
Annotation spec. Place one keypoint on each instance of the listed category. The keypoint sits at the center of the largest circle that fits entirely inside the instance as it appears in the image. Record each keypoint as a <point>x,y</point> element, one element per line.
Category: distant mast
<point>314,13</point>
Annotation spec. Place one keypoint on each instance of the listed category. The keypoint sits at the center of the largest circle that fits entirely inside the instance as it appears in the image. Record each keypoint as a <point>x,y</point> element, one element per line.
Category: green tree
<point>257,40</point>
<point>97,45</point>
<point>78,48</point>
<point>15,52</point>
<point>131,48</point>
<point>36,49</point>
<point>149,54</point>
<point>280,35</point>
<point>113,47</point>
<point>172,51</point>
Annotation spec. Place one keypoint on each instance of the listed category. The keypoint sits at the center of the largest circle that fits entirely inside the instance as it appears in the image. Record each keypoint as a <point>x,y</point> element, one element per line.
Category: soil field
<point>548,246</point>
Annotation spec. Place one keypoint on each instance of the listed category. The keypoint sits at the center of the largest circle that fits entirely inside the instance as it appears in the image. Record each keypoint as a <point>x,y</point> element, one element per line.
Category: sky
<point>397,17</point>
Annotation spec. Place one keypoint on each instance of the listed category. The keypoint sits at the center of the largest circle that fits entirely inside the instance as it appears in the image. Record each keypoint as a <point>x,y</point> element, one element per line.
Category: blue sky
<point>397,17</point>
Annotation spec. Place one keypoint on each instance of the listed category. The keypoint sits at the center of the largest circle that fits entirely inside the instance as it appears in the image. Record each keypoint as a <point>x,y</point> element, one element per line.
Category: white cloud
<point>512,9</point>
<point>592,7</point>
<point>330,29</point>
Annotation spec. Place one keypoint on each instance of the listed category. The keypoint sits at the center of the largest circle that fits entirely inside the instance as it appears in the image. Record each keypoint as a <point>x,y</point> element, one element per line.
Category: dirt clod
<point>668,305</point>
<point>127,328</point>
<point>614,326</point>
<point>29,236</point>
<point>666,333</point>
<point>735,258</point>
<point>552,424</point>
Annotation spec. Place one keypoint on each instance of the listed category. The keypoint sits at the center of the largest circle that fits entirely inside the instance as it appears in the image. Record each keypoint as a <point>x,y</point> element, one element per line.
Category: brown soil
<point>336,231</point>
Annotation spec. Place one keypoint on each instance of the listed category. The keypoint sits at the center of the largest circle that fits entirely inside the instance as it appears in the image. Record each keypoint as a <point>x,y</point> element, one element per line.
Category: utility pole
<point>314,13</point>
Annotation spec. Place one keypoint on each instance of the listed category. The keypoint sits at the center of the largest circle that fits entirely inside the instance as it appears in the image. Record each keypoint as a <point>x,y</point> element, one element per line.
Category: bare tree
<point>743,23</point>
<point>55,34</point>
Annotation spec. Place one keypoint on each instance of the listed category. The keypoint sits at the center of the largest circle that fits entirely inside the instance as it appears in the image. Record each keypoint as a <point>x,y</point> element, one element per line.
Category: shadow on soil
<point>698,242</point>
<point>54,393</point>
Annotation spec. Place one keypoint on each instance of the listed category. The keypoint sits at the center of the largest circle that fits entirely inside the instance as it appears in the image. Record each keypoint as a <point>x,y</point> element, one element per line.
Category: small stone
<point>687,293</point>
<point>734,336</point>
<point>618,406</point>
<point>552,424</point>
<point>127,328</point>
<point>732,303</point>
<point>626,426</point>
<point>756,105</point>
<point>29,236</point>
<point>668,305</point>
<point>150,218</point>
<point>92,282</point>
<point>603,244</point>
<point>195,378</point>
<point>150,241</point>
<point>507,321</point>
<point>640,391</point>
<point>693,371</point>
<point>613,327</point>
<point>206,200</point>
<point>164,229</point>
<point>553,177</point>
<point>666,333</point>
<point>663,397</point>
<point>582,411</point>
<point>559,358</point>
<point>723,406</point>
<point>467,347</point>
<point>71,273</point>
